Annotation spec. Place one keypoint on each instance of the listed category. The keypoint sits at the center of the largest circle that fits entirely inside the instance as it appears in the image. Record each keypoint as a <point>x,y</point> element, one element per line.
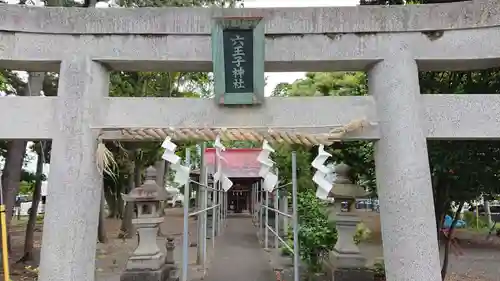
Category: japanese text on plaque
<point>239,58</point>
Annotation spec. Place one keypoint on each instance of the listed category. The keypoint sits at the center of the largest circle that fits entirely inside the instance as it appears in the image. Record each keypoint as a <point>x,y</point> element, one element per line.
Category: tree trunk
<point>120,204</point>
<point>437,193</point>
<point>111,201</point>
<point>137,173</point>
<point>441,203</point>
<point>16,149</point>
<point>488,213</point>
<point>101,230</point>
<point>127,228</point>
<point>444,268</point>
<point>35,201</point>
<point>11,176</point>
<point>161,166</point>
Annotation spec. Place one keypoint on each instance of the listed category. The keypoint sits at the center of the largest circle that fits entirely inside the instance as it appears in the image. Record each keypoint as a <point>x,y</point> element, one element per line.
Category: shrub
<point>471,220</point>
<point>363,233</point>
<point>317,234</point>
<point>379,268</point>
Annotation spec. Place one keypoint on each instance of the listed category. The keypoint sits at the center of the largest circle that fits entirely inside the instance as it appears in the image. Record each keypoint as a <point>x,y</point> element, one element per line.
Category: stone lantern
<point>147,261</point>
<point>346,261</point>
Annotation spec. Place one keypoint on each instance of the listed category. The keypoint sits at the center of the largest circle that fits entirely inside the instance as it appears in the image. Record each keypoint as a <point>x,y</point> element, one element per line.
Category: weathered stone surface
<point>403,175</point>
<point>352,274</point>
<point>162,274</point>
<point>478,13</point>
<point>345,260</point>
<point>69,237</point>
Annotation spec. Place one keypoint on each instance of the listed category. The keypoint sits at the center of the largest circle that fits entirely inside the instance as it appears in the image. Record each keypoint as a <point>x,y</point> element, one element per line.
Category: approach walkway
<point>238,254</point>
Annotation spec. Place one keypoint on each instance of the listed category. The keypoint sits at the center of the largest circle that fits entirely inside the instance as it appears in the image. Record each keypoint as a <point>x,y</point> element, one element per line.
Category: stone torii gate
<point>391,43</point>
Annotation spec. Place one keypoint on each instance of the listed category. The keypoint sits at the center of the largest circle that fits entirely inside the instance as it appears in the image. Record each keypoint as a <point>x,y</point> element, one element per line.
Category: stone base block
<point>344,260</point>
<point>353,274</point>
<point>167,272</point>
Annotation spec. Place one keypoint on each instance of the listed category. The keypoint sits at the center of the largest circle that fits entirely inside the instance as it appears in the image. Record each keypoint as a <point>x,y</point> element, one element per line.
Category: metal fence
<point>263,209</point>
<point>217,209</point>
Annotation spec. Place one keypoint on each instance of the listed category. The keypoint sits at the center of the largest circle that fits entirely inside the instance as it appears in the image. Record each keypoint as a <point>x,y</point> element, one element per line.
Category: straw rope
<point>234,134</point>
<point>106,163</point>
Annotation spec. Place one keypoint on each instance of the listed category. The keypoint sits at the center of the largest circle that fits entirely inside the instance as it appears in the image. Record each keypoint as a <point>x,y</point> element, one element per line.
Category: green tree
<point>317,233</point>
<point>461,170</point>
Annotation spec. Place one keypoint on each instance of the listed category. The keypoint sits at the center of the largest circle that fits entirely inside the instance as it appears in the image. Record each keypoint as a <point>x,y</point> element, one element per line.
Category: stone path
<point>238,254</point>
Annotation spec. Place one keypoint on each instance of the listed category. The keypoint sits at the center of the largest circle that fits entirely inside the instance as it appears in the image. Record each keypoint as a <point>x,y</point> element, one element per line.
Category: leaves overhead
<point>467,168</point>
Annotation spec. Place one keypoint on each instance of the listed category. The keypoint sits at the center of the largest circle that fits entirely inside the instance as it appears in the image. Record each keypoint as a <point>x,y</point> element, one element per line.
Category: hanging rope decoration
<point>106,163</point>
<point>234,134</point>
<point>105,160</point>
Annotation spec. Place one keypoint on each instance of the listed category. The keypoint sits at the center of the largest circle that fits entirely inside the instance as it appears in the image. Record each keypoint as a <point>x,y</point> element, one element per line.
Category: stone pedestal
<point>352,274</point>
<point>162,274</point>
<point>283,206</point>
<point>346,254</point>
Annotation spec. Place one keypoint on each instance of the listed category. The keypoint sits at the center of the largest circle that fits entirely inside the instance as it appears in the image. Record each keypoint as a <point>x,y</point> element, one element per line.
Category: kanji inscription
<point>238,60</point>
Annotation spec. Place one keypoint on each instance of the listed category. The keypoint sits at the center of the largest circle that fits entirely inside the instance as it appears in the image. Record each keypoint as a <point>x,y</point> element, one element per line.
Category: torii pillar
<point>403,176</point>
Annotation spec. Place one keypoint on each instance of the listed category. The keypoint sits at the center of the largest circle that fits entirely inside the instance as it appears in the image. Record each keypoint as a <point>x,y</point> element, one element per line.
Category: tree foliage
<point>317,233</point>
<point>461,171</point>
<point>470,168</point>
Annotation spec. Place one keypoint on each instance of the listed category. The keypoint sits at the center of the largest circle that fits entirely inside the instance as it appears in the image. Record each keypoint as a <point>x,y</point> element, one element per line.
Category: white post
<point>185,236</point>
<point>295,220</point>
<point>266,212</point>
<point>205,214</point>
<point>217,198</point>
<point>259,214</point>
<point>402,168</point>
<point>285,210</point>
<point>254,202</point>
<point>202,204</point>
<point>214,215</point>
<point>276,219</point>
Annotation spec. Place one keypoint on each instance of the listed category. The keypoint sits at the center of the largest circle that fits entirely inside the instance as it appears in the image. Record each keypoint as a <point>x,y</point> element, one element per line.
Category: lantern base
<point>167,272</point>
<point>352,274</point>
<point>346,260</point>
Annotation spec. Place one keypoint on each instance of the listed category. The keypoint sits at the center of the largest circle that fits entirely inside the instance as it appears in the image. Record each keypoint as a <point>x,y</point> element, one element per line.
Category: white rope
<point>273,136</point>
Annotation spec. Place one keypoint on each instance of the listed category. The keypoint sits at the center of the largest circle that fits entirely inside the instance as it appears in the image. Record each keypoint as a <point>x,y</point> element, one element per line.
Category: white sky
<point>273,78</point>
